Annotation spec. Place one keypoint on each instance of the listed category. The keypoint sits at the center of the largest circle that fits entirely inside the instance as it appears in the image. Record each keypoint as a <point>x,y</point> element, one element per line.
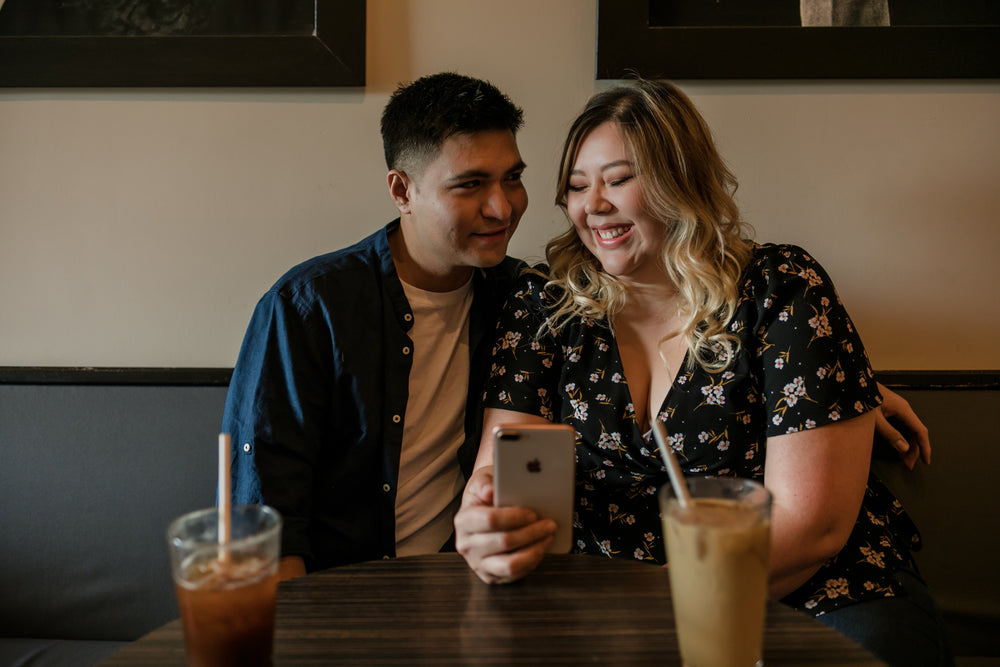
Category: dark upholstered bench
<point>95,463</point>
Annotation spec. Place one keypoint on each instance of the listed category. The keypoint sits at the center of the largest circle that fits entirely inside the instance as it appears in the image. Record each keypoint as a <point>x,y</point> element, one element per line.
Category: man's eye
<point>469,185</point>
<point>514,177</point>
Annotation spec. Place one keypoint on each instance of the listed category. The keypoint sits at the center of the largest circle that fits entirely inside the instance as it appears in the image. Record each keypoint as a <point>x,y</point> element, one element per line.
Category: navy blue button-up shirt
<point>318,398</point>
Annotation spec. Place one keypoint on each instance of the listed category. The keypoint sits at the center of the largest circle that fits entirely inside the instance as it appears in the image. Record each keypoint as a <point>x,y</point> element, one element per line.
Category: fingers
<point>916,442</point>
<point>500,544</point>
<point>889,433</point>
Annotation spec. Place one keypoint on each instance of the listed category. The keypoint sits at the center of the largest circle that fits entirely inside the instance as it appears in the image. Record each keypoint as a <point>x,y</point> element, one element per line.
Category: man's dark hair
<point>421,115</point>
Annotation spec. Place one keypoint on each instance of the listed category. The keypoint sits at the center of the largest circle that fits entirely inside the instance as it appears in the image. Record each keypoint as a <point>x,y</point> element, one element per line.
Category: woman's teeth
<point>608,234</point>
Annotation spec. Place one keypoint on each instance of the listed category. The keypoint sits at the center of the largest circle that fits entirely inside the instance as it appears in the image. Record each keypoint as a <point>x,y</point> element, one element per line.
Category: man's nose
<point>497,204</point>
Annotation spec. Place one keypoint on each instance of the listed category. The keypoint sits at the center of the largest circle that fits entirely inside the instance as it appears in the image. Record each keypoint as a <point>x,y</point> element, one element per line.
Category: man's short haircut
<point>422,115</point>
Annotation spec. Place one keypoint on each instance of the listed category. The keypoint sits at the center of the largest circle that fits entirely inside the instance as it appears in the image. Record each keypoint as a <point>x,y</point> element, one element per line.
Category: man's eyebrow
<point>481,173</point>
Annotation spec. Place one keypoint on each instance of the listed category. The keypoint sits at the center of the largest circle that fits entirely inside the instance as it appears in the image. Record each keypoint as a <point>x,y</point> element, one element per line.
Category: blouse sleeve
<point>815,369</point>
<point>524,373</point>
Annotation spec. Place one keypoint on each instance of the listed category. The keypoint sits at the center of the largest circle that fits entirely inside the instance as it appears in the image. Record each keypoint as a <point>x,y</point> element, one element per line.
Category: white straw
<point>673,469</point>
<point>225,518</point>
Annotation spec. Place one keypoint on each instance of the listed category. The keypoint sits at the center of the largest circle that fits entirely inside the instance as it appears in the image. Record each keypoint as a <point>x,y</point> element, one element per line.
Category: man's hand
<point>909,447</point>
<point>500,544</point>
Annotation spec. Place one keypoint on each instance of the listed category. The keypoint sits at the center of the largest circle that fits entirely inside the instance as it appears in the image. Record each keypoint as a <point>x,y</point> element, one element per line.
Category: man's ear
<point>399,189</point>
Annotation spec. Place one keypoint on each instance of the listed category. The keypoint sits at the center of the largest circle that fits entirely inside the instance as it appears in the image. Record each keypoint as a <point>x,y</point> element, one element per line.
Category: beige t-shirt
<point>430,479</point>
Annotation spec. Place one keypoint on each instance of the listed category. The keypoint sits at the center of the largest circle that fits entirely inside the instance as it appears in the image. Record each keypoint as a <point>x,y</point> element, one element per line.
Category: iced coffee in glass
<point>717,554</point>
<point>226,592</point>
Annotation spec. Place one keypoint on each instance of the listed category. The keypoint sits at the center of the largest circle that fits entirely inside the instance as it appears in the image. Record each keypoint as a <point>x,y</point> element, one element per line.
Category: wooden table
<point>432,610</point>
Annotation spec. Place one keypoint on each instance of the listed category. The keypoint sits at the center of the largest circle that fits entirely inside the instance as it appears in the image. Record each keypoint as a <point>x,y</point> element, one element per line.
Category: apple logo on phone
<point>534,465</point>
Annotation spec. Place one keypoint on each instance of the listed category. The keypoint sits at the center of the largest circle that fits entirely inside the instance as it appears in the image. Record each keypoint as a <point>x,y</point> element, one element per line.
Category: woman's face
<point>605,203</point>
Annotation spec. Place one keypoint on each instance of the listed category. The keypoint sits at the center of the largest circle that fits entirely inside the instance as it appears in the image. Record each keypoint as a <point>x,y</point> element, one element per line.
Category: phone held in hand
<point>534,467</point>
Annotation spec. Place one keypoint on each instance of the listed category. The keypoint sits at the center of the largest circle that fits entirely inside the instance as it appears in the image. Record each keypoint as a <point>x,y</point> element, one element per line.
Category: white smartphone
<point>534,466</point>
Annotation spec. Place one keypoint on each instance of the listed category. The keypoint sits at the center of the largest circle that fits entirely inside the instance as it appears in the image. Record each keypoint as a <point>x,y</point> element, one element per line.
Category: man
<point>354,405</point>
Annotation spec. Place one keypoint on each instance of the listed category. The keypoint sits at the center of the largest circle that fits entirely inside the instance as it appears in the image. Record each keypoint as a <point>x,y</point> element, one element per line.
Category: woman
<point>656,305</point>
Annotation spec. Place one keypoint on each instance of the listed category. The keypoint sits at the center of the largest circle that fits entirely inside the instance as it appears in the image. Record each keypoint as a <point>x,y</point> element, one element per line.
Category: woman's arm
<point>817,478</point>
<point>500,544</point>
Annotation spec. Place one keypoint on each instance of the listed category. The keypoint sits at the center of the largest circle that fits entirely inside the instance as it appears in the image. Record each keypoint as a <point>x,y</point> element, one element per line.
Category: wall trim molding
<point>219,377</point>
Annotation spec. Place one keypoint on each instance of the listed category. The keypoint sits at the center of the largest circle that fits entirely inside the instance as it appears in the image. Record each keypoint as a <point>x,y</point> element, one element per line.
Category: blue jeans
<point>905,631</point>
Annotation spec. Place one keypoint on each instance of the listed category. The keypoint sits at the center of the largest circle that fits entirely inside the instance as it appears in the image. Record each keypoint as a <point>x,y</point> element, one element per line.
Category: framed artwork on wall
<point>786,39</point>
<point>45,43</point>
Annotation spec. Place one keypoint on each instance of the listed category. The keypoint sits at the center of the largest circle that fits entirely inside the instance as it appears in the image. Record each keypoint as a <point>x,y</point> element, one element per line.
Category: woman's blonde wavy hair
<point>684,183</point>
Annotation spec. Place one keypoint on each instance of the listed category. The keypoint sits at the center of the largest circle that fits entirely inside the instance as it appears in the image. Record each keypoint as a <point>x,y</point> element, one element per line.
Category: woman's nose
<point>596,203</point>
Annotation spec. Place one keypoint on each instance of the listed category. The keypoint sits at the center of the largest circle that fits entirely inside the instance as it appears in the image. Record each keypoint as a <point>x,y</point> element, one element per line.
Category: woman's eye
<point>622,180</point>
<point>575,188</point>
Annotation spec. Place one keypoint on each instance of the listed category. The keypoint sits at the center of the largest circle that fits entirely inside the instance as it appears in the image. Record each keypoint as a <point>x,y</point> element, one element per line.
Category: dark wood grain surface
<point>431,610</point>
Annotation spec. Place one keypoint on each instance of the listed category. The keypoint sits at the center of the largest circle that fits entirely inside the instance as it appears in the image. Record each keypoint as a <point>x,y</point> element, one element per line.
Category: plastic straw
<point>225,503</point>
<point>673,469</point>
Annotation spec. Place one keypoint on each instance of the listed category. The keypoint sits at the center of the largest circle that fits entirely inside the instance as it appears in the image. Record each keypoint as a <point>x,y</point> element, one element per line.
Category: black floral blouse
<point>801,366</point>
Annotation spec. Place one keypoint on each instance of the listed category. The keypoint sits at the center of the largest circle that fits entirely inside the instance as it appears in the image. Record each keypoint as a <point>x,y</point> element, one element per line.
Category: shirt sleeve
<point>814,366</point>
<point>524,373</point>
<point>276,409</point>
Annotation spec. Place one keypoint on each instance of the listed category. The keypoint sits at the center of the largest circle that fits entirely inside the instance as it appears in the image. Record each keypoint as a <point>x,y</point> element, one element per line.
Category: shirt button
<point>395,419</point>
<point>408,318</point>
<point>386,487</point>
<point>406,350</point>
<point>246,447</point>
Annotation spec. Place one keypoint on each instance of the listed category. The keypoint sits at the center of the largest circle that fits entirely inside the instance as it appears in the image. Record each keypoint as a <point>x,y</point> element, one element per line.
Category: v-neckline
<point>628,388</point>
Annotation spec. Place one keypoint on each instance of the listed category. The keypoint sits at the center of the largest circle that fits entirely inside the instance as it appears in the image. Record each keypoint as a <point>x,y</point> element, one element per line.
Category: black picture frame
<point>331,52</point>
<point>627,44</point>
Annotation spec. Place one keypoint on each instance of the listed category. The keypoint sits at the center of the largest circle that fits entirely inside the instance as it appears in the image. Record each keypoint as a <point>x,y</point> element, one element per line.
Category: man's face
<point>460,212</point>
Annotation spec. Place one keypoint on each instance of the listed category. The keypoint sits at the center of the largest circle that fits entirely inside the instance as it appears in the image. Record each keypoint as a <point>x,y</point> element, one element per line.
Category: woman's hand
<point>918,443</point>
<point>500,544</point>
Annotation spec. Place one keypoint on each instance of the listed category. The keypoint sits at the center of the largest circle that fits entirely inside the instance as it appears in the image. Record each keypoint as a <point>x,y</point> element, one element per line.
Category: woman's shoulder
<point>778,261</point>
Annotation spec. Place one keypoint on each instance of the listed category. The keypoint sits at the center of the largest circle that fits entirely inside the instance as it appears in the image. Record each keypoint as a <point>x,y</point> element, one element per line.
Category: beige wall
<point>139,227</point>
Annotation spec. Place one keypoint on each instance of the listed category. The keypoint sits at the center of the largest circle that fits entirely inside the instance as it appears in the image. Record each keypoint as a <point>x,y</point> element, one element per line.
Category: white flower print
<point>610,440</point>
<point>834,416</point>
<point>637,554</point>
<point>723,445</point>
<point>810,423</point>
<point>570,387</point>
<point>617,378</point>
<point>783,316</point>
<point>776,420</point>
<point>821,372</point>
<point>714,394</point>
<point>535,346</point>
<point>603,347</point>
<point>518,377</point>
<point>579,409</point>
<point>574,357</point>
<point>594,377</point>
<point>779,363</point>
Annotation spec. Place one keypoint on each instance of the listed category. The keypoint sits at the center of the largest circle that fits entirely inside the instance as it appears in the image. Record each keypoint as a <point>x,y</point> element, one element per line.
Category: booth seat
<point>93,470</point>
